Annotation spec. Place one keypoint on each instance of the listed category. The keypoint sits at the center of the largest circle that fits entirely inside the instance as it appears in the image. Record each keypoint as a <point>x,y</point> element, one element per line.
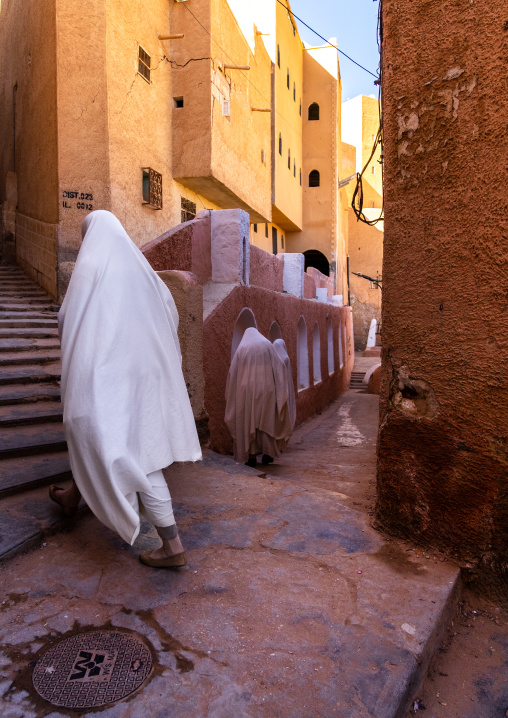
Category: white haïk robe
<point>257,398</point>
<point>280,348</point>
<point>126,408</point>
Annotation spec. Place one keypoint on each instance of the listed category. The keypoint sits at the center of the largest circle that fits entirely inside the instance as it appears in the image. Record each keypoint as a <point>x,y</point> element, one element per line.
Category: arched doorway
<point>315,258</point>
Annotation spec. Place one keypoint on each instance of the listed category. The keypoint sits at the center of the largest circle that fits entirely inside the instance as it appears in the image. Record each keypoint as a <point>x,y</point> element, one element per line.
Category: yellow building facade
<point>360,124</point>
<point>156,115</point>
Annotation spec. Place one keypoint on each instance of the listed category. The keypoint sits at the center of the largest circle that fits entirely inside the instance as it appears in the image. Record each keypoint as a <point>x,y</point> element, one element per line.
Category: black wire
<point>357,200</point>
<point>324,38</point>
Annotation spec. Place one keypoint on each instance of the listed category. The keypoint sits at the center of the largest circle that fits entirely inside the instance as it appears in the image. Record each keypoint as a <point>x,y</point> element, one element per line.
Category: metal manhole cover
<point>92,669</point>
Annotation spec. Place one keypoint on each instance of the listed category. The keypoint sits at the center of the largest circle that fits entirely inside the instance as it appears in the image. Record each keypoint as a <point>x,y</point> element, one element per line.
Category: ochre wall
<point>27,57</point>
<point>286,120</point>
<point>268,306</point>
<point>443,446</point>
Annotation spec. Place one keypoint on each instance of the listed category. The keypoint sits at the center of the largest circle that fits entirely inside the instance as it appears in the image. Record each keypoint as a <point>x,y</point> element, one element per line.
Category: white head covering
<point>256,398</point>
<point>126,408</point>
<point>280,348</point>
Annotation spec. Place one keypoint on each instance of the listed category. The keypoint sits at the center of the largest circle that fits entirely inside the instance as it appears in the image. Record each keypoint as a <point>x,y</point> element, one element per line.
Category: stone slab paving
<point>291,605</point>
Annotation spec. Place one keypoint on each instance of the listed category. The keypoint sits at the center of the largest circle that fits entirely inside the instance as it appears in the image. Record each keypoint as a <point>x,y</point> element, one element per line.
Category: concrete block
<point>230,246</point>
<point>322,294</point>
<point>294,265</point>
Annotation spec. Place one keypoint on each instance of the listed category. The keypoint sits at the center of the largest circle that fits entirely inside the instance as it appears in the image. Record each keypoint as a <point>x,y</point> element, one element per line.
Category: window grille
<point>152,188</point>
<point>188,209</point>
<point>314,178</point>
<point>143,64</point>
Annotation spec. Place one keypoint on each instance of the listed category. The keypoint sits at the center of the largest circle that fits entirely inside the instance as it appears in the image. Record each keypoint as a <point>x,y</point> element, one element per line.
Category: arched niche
<point>313,111</point>
<point>275,332</point>
<point>315,258</point>
<point>316,354</point>
<point>303,355</point>
<point>244,320</point>
<point>314,178</point>
<point>331,359</point>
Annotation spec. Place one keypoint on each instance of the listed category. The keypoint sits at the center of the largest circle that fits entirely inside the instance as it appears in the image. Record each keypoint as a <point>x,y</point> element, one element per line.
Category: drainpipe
<point>14,91</point>
<point>348,291</point>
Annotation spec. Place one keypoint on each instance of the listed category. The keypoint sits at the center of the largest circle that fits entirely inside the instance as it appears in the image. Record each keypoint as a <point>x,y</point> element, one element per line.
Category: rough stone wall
<point>268,306</point>
<point>36,250</point>
<point>443,447</point>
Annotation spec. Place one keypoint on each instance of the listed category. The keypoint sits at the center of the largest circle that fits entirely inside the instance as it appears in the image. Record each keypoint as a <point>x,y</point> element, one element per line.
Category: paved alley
<point>292,605</point>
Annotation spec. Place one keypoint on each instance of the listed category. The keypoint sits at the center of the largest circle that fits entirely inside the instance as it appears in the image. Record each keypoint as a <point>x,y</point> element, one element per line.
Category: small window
<point>289,159</point>
<point>177,101</point>
<point>300,107</point>
<point>278,56</point>
<point>373,169</point>
<point>287,78</point>
<point>266,230</point>
<point>282,241</point>
<point>314,111</point>
<point>263,157</point>
<point>314,179</point>
<point>188,209</point>
<point>274,240</point>
<point>143,64</point>
<point>152,188</point>
<point>300,177</point>
<point>280,143</point>
<point>373,205</point>
<point>294,91</point>
<point>255,228</point>
<point>226,107</point>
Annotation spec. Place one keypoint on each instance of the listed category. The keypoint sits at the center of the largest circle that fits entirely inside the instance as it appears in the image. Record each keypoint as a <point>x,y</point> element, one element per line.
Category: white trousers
<point>155,505</point>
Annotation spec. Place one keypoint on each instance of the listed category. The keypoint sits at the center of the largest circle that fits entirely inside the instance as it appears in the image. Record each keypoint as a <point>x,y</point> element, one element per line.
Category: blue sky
<point>354,23</point>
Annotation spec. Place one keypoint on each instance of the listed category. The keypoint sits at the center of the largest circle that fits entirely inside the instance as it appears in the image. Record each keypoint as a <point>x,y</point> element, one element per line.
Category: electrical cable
<point>324,38</point>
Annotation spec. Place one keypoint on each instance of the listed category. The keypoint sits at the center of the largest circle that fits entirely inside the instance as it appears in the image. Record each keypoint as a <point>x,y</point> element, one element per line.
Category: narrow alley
<point>291,605</point>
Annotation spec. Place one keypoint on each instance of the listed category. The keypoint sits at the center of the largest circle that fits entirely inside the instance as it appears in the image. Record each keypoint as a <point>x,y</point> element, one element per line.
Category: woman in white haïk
<point>126,413</point>
<point>281,349</point>
<point>257,413</point>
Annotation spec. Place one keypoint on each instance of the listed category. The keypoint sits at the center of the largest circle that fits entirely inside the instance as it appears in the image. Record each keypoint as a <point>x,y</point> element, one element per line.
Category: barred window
<point>143,63</point>
<point>188,209</point>
<point>152,188</point>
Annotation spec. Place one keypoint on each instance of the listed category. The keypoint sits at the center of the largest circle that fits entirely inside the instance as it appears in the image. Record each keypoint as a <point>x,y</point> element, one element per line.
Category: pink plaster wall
<point>266,270</point>
<point>322,281</point>
<point>309,286</point>
<point>186,247</point>
<point>268,306</point>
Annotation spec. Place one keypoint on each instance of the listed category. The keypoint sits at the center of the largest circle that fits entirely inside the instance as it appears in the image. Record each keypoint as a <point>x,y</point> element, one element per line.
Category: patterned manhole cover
<point>92,669</point>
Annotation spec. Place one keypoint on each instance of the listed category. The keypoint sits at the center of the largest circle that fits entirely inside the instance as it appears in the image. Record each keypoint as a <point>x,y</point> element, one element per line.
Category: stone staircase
<point>33,450</point>
<point>357,379</point>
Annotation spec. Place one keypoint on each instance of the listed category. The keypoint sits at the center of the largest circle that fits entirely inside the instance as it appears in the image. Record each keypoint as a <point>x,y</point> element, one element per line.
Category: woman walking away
<point>127,413</point>
<point>257,413</point>
<point>280,348</point>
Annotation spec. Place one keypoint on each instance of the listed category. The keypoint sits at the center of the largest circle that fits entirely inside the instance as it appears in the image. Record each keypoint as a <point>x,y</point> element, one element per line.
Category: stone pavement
<point>292,605</point>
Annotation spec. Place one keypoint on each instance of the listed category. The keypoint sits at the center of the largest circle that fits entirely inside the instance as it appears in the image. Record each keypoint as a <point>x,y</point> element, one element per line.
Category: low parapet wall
<point>269,307</point>
<point>266,270</point>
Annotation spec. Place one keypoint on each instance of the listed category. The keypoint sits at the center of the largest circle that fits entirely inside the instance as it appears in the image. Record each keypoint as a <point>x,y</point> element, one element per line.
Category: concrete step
<point>9,292</point>
<point>24,307</point>
<point>29,393</point>
<point>28,518</point>
<point>38,357</point>
<point>23,323</point>
<point>26,472</point>
<point>23,299</point>
<point>25,374</point>
<point>32,313</point>
<point>28,440</point>
<point>27,332</point>
<point>27,345</point>
<point>39,412</point>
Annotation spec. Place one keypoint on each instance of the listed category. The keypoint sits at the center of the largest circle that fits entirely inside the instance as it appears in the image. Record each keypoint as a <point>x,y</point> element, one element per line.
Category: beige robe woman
<point>280,348</point>
<point>257,413</point>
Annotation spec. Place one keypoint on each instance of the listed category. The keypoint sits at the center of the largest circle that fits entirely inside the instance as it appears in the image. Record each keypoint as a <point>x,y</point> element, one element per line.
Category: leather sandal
<point>69,511</point>
<point>176,561</point>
